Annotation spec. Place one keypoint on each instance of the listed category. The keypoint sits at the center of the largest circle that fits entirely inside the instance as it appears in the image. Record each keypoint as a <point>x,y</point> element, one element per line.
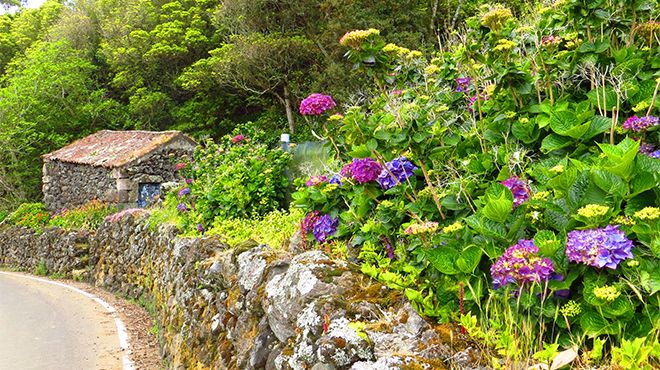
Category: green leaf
<point>567,123</point>
<point>442,258</point>
<point>525,132</point>
<point>554,142</point>
<point>599,125</point>
<point>609,182</point>
<point>547,243</point>
<point>469,259</point>
<point>593,324</point>
<point>621,157</point>
<point>499,203</point>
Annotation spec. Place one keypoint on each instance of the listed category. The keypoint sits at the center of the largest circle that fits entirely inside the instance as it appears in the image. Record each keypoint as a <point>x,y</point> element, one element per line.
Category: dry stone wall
<point>248,307</point>
<point>69,185</point>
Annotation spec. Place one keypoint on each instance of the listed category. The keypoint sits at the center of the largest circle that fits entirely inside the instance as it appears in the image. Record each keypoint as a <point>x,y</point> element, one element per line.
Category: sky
<point>28,4</point>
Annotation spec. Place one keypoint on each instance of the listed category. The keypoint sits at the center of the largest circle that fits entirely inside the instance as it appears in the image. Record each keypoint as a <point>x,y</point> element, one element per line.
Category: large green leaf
<point>442,258</point>
<point>594,324</point>
<point>555,142</point>
<point>567,123</point>
<point>621,157</point>
<point>599,124</point>
<point>609,182</point>
<point>499,203</point>
<point>469,259</point>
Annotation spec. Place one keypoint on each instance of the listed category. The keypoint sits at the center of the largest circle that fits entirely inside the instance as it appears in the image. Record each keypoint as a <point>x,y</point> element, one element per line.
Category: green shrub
<point>32,215</point>
<point>275,228</point>
<point>236,178</point>
<point>508,147</point>
<point>88,216</point>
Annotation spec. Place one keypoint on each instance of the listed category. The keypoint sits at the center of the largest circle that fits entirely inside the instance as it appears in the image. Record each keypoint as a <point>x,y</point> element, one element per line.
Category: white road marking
<point>121,328</point>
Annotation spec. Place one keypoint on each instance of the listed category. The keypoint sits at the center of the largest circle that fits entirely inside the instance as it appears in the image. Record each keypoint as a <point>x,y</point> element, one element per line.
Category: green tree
<point>49,97</point>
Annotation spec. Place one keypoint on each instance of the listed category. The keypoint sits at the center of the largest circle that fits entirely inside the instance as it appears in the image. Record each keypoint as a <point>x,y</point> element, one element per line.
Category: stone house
<point>121,167</point>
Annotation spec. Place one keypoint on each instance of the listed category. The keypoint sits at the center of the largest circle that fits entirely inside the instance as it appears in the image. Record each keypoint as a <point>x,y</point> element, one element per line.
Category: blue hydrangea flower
<point>398,169</point>
<point>324,227</point>
<point>601,247</point>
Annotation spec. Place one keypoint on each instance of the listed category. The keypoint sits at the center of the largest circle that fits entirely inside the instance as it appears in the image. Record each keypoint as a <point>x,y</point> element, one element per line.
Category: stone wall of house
<point>66,185</point>
<point>249,307</point>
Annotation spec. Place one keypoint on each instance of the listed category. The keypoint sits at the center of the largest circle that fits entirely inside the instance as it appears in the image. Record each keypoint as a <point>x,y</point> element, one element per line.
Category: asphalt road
<point>49,327</point>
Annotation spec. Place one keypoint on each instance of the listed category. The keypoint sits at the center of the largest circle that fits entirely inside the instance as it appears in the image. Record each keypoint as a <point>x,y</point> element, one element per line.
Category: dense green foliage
<point>88,216</point>
<point>68,69</point>
<point>541,106</point>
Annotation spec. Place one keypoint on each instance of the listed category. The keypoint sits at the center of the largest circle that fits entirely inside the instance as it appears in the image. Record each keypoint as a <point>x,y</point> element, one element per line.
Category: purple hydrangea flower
<point>184,191</point>
<point>601,247</point>
<point>316,104</point>
<point>521,265</point>
<point>200,228</point>
<point>324,227</point>
<point>389,249</point>
<point>307,224</point>
<point>400,167</point>
<point>362,170</point>
<point>463,84</point>
<point>519,188</point>
<point>189,181</point>
<point>640,123</point>
<point>316,180</point>
<point>473,100</point>
<point>182,207</point>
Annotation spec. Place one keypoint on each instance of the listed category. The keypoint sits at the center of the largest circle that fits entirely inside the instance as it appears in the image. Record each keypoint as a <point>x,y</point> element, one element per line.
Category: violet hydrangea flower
<point>600,247</point>
<point>335,179</point>
<point>237,139</point>
<point>200,228</point>
<point>640,123</point>
<point>362,170</point>
<point>182,207</point>
<point>184,191</point>
<point>473,99</point>
<point>520,264</point>
<point>519,188</point>
<point>463,84</point>
<point>400,167</point>
<point>324,227</point>
<point>316,104</point>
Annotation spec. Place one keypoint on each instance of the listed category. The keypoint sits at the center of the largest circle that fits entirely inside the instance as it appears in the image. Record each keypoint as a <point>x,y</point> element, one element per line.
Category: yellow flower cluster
<point>623,220</point>
<point>607,292</point>
<point>648,213</point>
<point>541,195</point>
<point>456,226</point>
<point>428,227</point>
<point>336,117</point>
<point>496,17</point>
<point>431,69</point>
<point>571,309</point>
<point>415,54</point>
<point>593,210</point>
<point>504,45</point>
<point>354,39</point>
<point>632,263</point>
<point>641,106</point>
<point>490,89</point>
<point>395,49</point>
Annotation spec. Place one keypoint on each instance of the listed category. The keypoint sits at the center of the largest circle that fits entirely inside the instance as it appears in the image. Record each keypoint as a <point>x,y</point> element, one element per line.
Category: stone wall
<point>249,307</point>
<point>69,184</point>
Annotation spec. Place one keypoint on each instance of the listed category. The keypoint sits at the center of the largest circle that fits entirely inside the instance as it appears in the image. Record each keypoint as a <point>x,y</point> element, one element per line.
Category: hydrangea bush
<point>515,170</point>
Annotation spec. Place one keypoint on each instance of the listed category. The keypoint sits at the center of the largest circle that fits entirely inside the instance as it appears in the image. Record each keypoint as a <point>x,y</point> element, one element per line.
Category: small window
<point>147,193</point>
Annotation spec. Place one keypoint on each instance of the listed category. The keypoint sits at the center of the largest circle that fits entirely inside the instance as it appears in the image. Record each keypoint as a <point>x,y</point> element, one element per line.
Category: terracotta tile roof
<point>114,148</point>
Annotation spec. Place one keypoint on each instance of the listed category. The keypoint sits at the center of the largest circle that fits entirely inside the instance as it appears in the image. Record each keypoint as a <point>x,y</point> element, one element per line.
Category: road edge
<point>122,333</point>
